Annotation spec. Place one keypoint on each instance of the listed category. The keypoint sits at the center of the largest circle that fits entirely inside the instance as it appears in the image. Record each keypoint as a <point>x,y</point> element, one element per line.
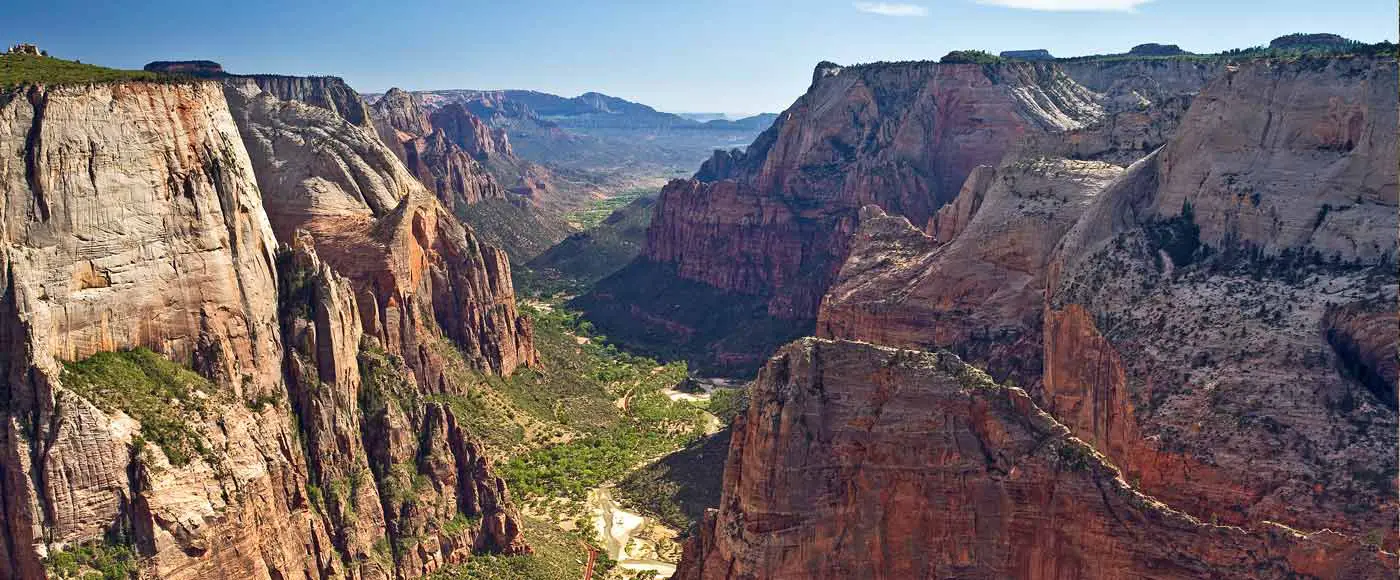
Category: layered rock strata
<point>975,286</point>
<point>1211,321</point>
<point>1194,325</point>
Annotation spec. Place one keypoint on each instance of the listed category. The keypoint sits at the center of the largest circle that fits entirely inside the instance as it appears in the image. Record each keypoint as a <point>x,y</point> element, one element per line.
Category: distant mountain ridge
<point>595,130</point>
<point>588,109</point>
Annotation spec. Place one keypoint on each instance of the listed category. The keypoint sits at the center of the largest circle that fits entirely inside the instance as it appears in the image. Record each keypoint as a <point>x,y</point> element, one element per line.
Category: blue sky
<point>676,55</point>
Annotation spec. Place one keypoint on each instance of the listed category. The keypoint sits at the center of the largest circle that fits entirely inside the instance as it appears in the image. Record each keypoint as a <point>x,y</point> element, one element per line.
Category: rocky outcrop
<point>400,110</point>
<point>1209,326</point>
<point>199,68</point>
<point>455,176</point>
<point>979,292</point>
<point>1155,80</point>
<point>329,93</point>
<point>1155,49</point>
<point>491,147</point>
<point>371,443</point>
<point>415,274</point>
<point>855,460</point>
<point>775,222</point>
<point>1193,329</point>
<point>472,134</point>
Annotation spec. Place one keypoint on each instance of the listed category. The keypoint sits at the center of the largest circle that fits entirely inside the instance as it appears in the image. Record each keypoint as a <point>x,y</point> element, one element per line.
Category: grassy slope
<point>681,486</point>
<point>21,69</point>
<point>706,312</point>
<point>169,400</point>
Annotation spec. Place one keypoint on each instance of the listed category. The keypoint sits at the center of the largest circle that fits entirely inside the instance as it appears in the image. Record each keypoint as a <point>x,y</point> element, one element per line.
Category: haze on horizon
<point>726,56</point>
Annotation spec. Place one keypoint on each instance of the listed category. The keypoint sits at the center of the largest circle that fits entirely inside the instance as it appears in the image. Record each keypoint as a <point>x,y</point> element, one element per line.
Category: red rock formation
<point>1216,334</point>
<point>455,176</point>
<point>902,136</point>
<point>381,229</point>
<point>858,461</point>
<point>472,134</point>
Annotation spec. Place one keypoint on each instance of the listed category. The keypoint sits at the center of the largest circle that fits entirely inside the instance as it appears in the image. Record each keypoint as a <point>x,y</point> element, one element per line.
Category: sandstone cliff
<point>901,136</point>
<point>858,461</point>
<point>491,147</point>
<point>131,219</point>
<point>329,93</point>
<point>376,224</point>
<point>134,217</point>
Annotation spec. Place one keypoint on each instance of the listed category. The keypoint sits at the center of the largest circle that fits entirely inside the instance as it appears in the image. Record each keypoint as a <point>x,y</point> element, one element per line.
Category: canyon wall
<point>329,93</point>
<point>860,461</point>
<point>979,293</point>
<point>131,220</point>
<point>135,217</point>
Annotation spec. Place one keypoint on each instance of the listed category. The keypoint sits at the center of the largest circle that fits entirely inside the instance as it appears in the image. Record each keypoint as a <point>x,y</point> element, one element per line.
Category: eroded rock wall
<point>979,293</point>
<point>457,178</point>
<point>860,461</point>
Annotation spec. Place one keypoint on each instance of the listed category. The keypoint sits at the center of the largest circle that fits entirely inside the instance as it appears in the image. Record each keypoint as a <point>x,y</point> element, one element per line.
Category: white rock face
<point>114,194</point>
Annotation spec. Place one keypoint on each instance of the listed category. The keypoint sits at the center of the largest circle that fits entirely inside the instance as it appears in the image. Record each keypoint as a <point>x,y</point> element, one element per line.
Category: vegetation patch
<point>109,559</point>
<point>600,209</point>
<point>27,69</point>
<point>584,258</point>
<point>1179,237</point>
<point>168,399</point>
<point>515,226</point>
<point>559,555</point>
<point>970,57</point>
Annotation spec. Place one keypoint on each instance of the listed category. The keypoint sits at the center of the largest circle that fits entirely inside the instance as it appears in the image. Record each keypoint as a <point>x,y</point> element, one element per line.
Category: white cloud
<point>1069,5</point>
<point>889,9</point>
